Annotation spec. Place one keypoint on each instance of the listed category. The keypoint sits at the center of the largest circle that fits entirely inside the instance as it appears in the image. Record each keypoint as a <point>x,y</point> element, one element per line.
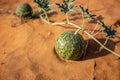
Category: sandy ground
<point>27,50</point>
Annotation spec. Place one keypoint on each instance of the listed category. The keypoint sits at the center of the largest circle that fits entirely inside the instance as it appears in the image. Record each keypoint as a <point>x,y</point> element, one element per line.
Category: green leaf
<point>45,4</point>
<point>86,13</point>
<point>110,33</point>
<point>66,6</point>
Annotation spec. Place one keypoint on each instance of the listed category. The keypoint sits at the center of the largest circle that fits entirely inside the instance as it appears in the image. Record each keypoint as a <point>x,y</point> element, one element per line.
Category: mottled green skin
<point>24,10</point>
<point>69,46</point>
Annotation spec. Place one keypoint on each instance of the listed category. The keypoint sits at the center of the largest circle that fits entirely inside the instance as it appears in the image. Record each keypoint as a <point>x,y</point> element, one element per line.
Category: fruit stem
<point>67,18</point>
<point>77,31</point>
<point>83,28</point>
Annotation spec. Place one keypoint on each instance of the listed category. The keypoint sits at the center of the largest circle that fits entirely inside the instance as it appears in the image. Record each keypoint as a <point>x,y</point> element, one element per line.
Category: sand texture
<point>27,50</point>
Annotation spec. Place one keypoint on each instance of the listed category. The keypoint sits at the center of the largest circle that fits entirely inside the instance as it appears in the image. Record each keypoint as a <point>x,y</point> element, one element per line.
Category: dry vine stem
<point>78,27</point>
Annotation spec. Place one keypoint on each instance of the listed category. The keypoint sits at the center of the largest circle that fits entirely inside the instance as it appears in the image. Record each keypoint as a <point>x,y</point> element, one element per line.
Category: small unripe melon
<point>69,45</point>
<point>24,10</point>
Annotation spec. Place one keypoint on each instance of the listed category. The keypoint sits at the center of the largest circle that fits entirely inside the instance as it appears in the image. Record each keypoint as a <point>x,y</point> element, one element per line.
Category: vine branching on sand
<point>66,7</point>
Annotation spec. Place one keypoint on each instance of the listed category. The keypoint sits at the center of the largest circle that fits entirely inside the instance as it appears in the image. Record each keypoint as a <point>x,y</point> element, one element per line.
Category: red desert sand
<point>27,50</point>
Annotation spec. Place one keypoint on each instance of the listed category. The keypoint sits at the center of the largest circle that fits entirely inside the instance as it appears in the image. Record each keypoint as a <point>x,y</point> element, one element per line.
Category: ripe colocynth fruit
<point>69,45</point>
<point>24,10</point>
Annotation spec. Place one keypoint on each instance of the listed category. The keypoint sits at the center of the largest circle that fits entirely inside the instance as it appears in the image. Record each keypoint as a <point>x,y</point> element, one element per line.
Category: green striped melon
<point>69,45</point>
<point>24,10</point>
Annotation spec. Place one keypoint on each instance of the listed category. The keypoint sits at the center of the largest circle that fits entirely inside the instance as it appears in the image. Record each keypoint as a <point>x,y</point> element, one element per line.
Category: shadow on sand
<point>93,49</point>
